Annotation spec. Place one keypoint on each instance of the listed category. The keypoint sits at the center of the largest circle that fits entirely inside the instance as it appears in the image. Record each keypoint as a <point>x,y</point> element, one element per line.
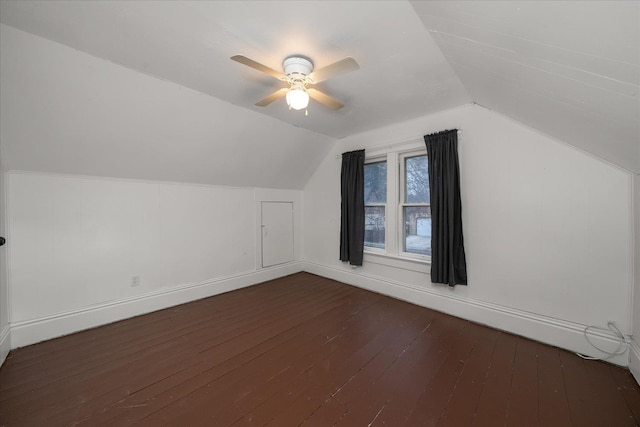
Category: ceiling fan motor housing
<point>297,65</point>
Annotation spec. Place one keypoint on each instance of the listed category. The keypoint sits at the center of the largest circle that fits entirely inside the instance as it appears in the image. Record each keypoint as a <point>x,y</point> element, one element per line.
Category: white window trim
<point>403,263</point>
<point>370,249</point>
<point>394,234</point>
<point>402,204</point>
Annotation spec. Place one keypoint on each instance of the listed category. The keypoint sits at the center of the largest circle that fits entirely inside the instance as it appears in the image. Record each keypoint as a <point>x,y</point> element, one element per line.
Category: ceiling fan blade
<point>273,97</point>
<point>258,66</point>
<point>343,66</point>
<point>325,99</point>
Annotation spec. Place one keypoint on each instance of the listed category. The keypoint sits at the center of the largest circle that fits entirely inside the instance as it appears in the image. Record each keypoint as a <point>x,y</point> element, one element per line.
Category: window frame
<point>394,216</point>
<point>373,249</point>
<point>402,204</point>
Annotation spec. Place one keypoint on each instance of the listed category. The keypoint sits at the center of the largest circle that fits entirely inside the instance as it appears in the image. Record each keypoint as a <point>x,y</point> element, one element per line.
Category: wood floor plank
<point>628,388</point>
<point>378,331</point>
<point>393,334</point>
<point>606,390</point>
<point>210,364</point>
<point>433,402</point>
<point>119,330</point>
<point>305,350</point>
<point>233,391</point>
<point>592,401</point>
<point>553,407</point>
<point>328,378</point>
<point>523,406</point>
<point>52,397</point>
<point>203,313</point>
<point>409,375</point>
<point>494,398</point>
<point>368,389</point>
<point>464,398</point>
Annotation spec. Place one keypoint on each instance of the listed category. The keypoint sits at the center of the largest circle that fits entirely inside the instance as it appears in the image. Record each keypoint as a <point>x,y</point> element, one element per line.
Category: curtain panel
<point>352,207</point>
<point>448,261</point>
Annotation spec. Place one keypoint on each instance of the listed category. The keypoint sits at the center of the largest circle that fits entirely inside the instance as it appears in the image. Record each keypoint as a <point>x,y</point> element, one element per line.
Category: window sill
<point>405,263</point>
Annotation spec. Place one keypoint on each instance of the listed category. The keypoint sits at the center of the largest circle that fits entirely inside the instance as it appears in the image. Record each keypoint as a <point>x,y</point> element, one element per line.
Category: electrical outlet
<point>135,281</point>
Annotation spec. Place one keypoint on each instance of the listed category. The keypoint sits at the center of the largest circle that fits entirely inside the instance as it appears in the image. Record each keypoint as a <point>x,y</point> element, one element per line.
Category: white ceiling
<point>403,74</point>
<point>63,111</point>
<point>568,69</point>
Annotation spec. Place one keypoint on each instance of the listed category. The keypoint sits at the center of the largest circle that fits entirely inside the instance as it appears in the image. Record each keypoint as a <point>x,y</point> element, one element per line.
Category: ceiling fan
<point>299,76</point>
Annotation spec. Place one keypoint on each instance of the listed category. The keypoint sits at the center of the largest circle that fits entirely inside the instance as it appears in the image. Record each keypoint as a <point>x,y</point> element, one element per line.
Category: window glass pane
<point>375,183</point>
<point>416,177</point>
<point>417,230</point>
<point>374,226</point>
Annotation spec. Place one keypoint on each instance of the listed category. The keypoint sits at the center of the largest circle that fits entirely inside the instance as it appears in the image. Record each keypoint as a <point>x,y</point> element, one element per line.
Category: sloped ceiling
<point>63,111</point>
<point>569,69</point>
<point>403,74</point>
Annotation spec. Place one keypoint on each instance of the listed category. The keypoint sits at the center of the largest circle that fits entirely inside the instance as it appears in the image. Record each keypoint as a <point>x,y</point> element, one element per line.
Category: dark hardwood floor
<point>304,350</point>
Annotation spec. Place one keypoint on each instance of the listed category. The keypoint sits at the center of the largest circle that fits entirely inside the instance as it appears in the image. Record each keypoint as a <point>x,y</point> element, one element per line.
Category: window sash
<point>373,249</point>
<point>373,161</point>
<point>402,235</point>
<point>401,226</point>
<point>394,207</point>
<point>403,174</point>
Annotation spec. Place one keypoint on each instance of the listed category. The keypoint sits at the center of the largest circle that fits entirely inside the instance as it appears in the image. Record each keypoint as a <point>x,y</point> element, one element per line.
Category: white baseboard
<point>36,330</point>
<point>556,332</point>
<point>634,360</point>
<point>5,343</point>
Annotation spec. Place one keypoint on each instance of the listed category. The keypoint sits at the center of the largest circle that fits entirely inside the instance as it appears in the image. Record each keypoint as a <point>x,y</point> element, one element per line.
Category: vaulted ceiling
<point>403,74</point>
<point>568,69</point>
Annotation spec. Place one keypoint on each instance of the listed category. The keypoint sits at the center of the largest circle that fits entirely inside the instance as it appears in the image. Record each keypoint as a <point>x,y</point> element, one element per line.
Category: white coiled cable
<point>612,328</point>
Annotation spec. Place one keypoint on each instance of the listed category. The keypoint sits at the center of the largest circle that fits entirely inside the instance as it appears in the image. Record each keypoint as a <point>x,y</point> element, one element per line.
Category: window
<point>397,203</point>
<point>375,200</point>
<point>416,212</point>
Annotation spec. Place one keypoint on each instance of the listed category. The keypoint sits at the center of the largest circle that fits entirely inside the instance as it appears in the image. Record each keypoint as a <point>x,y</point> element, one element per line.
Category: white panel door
<point>277,233</point>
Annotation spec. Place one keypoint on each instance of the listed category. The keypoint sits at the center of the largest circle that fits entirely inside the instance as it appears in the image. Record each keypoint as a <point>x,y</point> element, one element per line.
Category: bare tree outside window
<point>417,180</point>
<point>409,218</point>
<point>416,209</point>
<point>375,199</point>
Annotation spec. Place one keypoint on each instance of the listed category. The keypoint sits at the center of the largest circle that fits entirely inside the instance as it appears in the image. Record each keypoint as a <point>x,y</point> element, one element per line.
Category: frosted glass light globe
<point>297,99</point>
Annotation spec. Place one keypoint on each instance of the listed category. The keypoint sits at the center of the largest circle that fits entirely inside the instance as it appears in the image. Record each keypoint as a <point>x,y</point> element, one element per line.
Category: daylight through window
<point>397,205</point>
<point>375,200</point>
<point>416,212</point>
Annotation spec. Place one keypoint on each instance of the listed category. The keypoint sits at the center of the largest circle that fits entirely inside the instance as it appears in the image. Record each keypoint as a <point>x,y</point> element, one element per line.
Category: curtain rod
<point>403,142</point>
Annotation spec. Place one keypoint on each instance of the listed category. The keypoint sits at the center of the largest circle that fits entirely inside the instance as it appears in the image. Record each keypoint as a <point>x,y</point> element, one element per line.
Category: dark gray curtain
<point>352,218</point>
<point>448,262</point>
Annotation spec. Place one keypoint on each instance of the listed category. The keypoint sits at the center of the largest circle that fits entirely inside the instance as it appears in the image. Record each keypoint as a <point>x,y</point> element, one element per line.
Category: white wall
<point>547,228</point>
<point>78,241</point>
<point>547,231</point>
<point>5,336</point>
<point>634,363</point>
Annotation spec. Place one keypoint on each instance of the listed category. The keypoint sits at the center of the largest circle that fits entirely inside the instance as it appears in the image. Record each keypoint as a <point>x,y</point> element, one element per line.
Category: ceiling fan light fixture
<point>301,78</point>
<point>297,99</point>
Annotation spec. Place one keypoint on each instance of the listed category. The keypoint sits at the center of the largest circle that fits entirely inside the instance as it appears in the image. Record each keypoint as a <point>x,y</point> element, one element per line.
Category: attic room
<point>177,247</point>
